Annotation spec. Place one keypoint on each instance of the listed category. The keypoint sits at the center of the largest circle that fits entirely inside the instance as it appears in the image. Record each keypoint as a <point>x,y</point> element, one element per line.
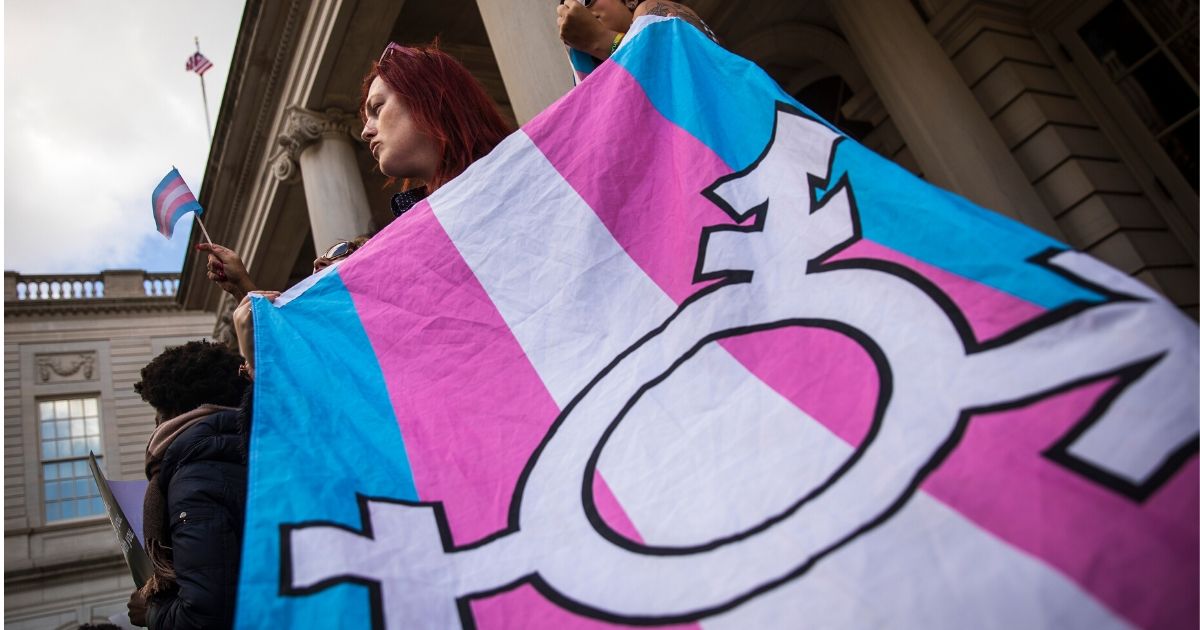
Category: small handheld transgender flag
<point>173,199</point>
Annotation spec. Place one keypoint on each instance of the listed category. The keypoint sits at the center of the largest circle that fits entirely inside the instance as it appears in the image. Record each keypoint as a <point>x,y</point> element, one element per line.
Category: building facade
<point>1076,117</point>
<point>73,348</point>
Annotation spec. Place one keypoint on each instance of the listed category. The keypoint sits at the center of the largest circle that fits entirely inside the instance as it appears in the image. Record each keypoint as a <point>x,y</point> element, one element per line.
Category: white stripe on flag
<point>587,300</point>
<point>574,300</point>
<point>180,190</point>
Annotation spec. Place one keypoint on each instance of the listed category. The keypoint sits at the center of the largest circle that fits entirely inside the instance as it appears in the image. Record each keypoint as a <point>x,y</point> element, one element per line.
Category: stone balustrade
<point>109,284</point>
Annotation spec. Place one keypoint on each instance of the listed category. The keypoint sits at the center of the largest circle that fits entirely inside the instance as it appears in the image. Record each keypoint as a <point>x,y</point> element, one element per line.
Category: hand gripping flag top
<point>679,353</point>
<point>172,199</point>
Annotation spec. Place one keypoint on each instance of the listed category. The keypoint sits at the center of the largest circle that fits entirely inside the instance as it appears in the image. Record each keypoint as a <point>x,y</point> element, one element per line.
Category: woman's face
<point>613,14</point>
<point>402,150</point>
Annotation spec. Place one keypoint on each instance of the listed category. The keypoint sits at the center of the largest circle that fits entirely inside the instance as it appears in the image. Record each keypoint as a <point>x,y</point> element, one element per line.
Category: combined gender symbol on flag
<point>198,63</point>
<point>680,353</point>
<point>172,199</point>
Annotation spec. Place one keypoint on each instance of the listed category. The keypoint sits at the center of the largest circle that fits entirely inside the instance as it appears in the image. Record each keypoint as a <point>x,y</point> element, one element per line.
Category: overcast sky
<point>97,108</point>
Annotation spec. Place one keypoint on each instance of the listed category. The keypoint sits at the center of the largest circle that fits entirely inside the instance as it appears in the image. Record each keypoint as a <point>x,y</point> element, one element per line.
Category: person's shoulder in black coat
<point>203,477</point>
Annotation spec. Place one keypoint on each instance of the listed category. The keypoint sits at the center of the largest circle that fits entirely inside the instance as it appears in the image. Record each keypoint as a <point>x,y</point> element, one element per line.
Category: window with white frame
<point>68,429</point>
<point>1148,49</point>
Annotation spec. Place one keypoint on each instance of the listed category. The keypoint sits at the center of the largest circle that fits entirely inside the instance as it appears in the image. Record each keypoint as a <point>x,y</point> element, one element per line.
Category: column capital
<point>304,128</point>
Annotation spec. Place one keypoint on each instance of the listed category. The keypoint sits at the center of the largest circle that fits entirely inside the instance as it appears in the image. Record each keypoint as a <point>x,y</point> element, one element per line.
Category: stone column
<point>952,138</point>
<point>10,286</point>
<point>318,148</point>
<point>532,60</point>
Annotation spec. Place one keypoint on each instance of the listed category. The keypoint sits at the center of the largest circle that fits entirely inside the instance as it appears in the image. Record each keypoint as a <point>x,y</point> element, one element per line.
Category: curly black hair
<point>187,376</point>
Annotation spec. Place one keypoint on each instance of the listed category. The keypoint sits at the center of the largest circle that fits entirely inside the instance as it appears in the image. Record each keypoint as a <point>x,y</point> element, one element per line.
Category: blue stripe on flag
<point>191,206</point>
<point>581,61</point>
<point>167,180</point>
<point>897,209</point>
<point>320,346</point>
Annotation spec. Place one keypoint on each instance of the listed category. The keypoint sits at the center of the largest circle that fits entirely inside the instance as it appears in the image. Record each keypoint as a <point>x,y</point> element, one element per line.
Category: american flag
<point>198,63</point>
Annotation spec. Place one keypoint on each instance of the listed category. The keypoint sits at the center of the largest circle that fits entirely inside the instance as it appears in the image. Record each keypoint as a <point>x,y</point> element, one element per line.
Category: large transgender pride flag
<point>679,353</point>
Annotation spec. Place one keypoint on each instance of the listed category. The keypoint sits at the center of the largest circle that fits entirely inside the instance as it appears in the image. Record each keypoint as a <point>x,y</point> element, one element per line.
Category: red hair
<point>445,101</point>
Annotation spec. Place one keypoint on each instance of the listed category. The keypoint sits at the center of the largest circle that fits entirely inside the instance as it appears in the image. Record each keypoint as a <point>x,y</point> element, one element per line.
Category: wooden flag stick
<point>202,230</point>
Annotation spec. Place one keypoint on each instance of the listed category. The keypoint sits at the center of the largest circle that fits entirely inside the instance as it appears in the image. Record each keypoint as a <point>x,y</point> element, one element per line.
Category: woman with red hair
<point>426,118</point>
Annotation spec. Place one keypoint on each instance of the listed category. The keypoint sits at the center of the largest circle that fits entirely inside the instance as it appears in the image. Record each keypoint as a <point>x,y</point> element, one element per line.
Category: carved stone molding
<point>69,367</point>
<point>223,330</point>
<point>304,128</point>
<point>80,308</point>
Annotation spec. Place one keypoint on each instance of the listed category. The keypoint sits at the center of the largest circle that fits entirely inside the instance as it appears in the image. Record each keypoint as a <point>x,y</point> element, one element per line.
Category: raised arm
<point>226,269</point>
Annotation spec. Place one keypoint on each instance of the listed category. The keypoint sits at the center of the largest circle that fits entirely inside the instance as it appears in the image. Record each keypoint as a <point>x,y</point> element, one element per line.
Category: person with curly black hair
<point>195,504</point>
<point>188,376</point>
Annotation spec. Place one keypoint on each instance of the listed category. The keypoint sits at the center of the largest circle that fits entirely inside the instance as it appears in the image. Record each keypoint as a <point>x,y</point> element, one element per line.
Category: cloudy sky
<point>97,108</point>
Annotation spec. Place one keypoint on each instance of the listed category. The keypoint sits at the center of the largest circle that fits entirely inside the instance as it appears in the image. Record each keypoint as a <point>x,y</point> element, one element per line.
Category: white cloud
<point>98,107</point>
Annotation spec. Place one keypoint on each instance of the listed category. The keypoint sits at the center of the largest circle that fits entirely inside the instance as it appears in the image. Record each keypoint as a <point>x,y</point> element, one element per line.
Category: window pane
<point>1167,17</point>
<point>72,429</point>
<point>1187,51</point>
<point>1180,144</point>
<point>1116,38</point>
<point>1158,93</point>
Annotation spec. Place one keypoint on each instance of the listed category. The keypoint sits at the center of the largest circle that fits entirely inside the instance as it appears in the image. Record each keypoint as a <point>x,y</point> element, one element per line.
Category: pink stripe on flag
<point>524,607</point>
<point>990,312</point>
<point>811,367</point>
<point>166,198</point>
<point>471,407</point>
<point>653,206</point>
<point>169,211</point>
<point>611,511</point>
<point>1104,541</point>
<point>1042,503</point>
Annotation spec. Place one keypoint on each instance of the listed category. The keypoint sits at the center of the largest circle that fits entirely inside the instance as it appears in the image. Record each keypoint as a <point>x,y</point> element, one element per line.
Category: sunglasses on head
<point>340,249</point>
<point>390,47</point>
<point>587,4</point>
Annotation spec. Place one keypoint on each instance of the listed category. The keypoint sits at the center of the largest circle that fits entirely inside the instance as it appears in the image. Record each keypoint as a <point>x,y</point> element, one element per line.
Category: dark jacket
<point>203,478</point>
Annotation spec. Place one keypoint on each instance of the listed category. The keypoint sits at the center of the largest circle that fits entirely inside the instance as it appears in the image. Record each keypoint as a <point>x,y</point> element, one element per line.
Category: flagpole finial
<point>197,40</point>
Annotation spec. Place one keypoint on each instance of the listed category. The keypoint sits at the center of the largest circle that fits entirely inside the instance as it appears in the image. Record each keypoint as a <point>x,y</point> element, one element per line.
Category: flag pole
<point>204,95</point>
